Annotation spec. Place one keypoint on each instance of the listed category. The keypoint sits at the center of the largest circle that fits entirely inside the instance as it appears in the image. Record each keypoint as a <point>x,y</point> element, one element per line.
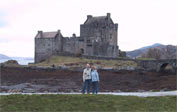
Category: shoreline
<point>139,94</point>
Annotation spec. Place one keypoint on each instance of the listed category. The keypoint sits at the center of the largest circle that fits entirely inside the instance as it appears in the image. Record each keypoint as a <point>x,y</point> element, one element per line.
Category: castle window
<point>44,45</point>
<point>48,44</point>
<point>88,41</point>
<point>110,36</point>
<point>82,51</point>
<point>81,39</point>
<point>89,45</point>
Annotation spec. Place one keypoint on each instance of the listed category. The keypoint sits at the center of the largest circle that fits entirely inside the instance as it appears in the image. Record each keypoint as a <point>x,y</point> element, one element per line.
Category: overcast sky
<point>141,22</point>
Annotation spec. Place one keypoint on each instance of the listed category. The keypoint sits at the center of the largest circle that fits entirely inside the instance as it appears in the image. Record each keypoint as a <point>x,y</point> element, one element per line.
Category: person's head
<point>87,66</point>
<point>93,67</point>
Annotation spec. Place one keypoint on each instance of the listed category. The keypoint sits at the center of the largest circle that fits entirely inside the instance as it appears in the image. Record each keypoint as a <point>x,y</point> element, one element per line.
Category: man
<point>86,79</point>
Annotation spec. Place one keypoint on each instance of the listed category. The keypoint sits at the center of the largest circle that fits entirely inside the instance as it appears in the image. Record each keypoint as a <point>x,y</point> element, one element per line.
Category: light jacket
<point>95,76</point>
<point>86,74</point>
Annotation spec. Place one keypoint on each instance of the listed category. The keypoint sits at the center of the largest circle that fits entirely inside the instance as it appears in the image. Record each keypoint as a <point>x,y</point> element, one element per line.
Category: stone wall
<point>100,41</point>
<point>157,65</point>
<point>100,34</point>
<point>44,48</point>
<point>58,44</point>
<point>72,45</point>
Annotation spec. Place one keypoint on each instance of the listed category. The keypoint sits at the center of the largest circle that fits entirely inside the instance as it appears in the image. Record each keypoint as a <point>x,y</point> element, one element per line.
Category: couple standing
<point>90,75</point>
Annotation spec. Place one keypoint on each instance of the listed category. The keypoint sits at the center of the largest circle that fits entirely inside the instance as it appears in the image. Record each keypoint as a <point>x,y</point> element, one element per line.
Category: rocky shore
<point>61,79</point>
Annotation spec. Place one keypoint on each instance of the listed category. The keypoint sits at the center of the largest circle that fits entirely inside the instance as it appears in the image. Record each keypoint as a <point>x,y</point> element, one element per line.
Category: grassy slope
<point>76,61</point>
<point>53,103</point>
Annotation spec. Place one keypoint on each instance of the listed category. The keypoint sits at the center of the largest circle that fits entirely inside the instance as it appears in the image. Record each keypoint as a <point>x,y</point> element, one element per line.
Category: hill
<point>139,52</point>
<point>81,62</point>
<point>2,56</point>
<point>20,60</point>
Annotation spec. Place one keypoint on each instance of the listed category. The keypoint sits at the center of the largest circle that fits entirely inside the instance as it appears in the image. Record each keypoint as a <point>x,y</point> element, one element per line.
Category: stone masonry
<point>98,37</point>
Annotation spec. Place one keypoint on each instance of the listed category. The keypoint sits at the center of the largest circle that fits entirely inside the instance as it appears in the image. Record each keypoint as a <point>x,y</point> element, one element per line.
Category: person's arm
<point>84,76</point>
<point>97,76</point>
<point>90,73</point>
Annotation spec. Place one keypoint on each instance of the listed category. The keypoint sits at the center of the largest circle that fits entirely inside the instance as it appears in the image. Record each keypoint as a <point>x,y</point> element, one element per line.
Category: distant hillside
<point>151,46</point>
<point>143,50</point>
<point>20,60</point>
<point>2,56</point>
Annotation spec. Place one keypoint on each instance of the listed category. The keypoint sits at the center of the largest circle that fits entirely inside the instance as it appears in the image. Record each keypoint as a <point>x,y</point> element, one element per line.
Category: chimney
<point>89,16</point>
<point>58,31</point>
<point>74,35</point>
<point>40,33</point>
<point>108,15</point>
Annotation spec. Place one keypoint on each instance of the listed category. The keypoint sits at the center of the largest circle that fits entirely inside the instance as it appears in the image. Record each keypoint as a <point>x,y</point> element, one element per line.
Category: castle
<point>98,37</point>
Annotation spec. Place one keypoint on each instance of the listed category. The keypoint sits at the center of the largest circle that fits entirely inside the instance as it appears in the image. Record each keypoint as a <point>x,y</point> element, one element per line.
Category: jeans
<point>86,83</point>
<point>95,87</point>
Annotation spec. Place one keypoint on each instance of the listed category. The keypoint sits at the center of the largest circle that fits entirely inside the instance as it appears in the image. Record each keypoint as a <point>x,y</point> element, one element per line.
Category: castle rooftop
<point>42,34</point>
<point>98,19</point>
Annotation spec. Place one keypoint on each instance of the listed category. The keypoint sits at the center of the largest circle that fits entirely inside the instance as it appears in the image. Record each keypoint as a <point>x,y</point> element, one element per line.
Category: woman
<point>95,80</point>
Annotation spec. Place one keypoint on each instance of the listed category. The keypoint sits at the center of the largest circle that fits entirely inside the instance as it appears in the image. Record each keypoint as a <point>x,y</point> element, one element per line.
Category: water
<point>20,60</point>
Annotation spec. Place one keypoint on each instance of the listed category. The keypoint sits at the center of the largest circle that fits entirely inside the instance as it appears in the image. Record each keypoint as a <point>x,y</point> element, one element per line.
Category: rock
<point>3,90</point>
<point>28,91</point>
<point>72,91</point>
<point>117,91</point>
<point>141,90</point>
<point>11,63</point>
<point>46,91</point>
<point>165,89</point>
<point>9,91</point>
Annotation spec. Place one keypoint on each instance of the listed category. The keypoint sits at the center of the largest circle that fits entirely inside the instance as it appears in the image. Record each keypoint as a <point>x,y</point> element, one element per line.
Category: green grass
<point>142,58</point>
<point>108,103</point>
<point>80,62</point>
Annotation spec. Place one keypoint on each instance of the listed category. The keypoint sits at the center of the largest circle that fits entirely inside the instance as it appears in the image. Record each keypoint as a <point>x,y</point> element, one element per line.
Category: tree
<point>163,52</point>
<point>152,53</point>
<point>169,52</point>
<point>122,53</point>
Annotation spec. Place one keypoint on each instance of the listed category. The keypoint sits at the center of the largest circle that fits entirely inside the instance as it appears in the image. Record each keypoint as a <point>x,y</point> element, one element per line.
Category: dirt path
<point>140,94</point>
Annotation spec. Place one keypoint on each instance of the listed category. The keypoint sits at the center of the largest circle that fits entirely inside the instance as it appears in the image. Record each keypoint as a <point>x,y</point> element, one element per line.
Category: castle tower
<point>100,35</point>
